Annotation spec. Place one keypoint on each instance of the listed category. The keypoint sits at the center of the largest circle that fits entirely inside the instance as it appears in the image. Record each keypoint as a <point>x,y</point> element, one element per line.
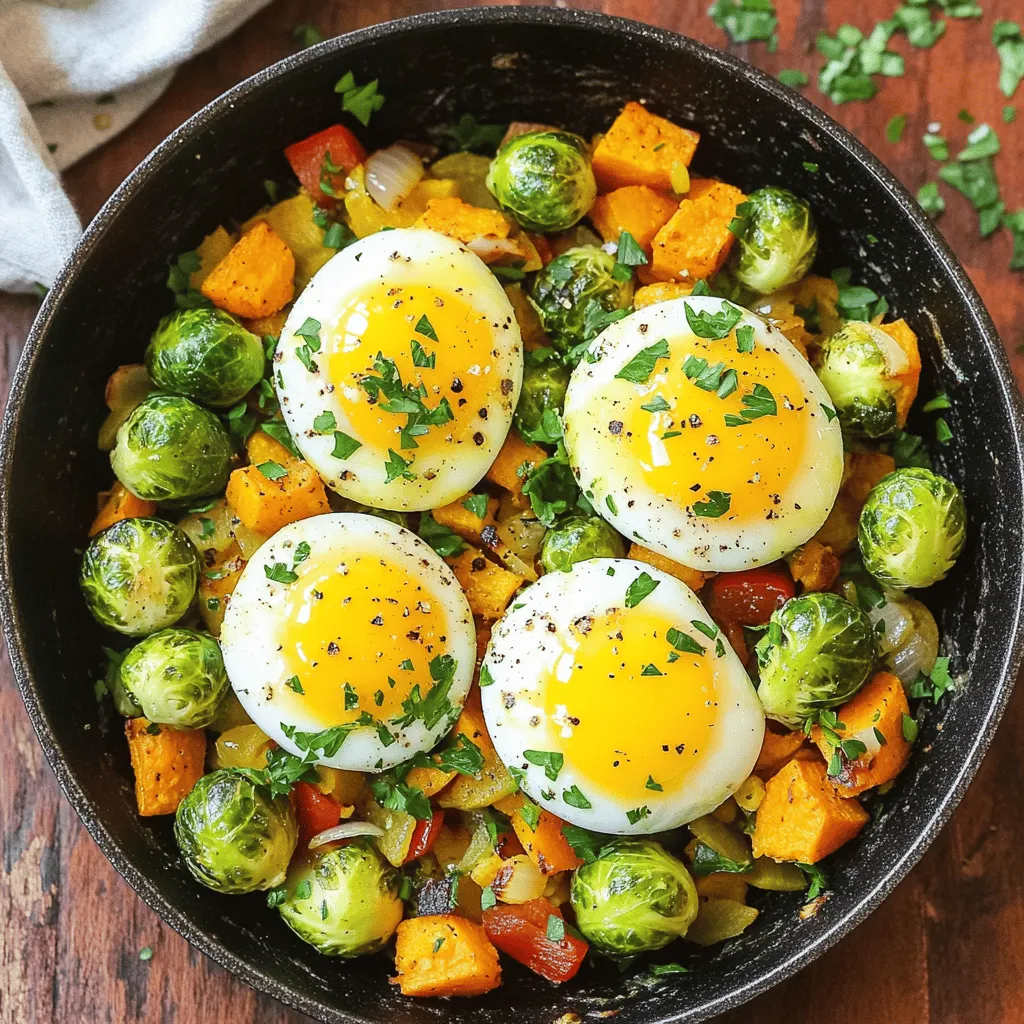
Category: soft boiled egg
<point>398,370</point>
<point>348,636</point>
<point>722,453</point>
<point>611,690</point>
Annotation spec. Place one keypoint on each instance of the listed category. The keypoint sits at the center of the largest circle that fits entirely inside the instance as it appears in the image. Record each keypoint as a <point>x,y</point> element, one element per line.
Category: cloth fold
<point>72,75</point>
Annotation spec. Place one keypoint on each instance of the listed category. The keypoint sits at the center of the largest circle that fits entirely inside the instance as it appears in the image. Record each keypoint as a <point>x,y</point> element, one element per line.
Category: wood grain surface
<point>948,945</point>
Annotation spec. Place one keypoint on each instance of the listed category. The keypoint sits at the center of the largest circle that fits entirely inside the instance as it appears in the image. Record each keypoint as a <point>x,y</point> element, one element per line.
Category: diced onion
<point>391,174</point>
<point>519,881</point>
<point>910,641</point>
<point>491,249</point>
<point>346,830</point>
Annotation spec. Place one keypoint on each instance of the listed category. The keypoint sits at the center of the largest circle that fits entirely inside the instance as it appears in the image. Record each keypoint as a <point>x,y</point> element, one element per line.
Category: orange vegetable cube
<point>814,565</point>
<point>466,523</point>
<point>634,208</point>
<point>256,278</point>
<point>545,845</point>
<point>514,455</point>
<point>119,504</point>
<point>694,244</point>
<point>901,333</point>
<point>429,781</point>
<point>875,717</point>
<point>265,505</point>
<point>167,763</point>
<point>778,749</point>
<point>445,955</point>
<point>488,586</point>
<point>661,291</point>
<point>802,818</point>
<point>461,221</point>
<point>640,148</point>
<point>693,578</point>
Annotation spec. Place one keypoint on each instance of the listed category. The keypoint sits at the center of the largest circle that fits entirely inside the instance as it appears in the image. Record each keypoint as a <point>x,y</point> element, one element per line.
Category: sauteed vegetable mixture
<point>519,548</point>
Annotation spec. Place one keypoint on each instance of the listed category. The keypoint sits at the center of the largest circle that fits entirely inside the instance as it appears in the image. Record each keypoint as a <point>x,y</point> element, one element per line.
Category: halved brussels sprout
<point>912,528</point>
<point>545,379</point>
<point>232,835</point>
<point>777,240</point>
<point>177,677</point>
<point>635,897</point>
<point>859,367</point>
<point>817,653</point>
<point>140,575</point>
<point>572,292</point>
<point>171,449</point>
<point>544,179</point>
<point>205,354</point>
<point>342,900</point>
<point>576,538</point>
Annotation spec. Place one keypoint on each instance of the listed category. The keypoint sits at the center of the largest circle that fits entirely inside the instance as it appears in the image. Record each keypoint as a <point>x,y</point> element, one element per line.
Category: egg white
<point>400,259</point>
<point>613,481</point>
<point>529,641</point>
<point>255,631</point>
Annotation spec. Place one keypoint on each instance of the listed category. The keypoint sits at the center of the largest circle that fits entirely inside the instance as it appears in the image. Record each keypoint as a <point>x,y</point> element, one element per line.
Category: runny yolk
<point>368,623</point>
<point>622,712</point>
<point>690,449</point>
<point>459,367</point>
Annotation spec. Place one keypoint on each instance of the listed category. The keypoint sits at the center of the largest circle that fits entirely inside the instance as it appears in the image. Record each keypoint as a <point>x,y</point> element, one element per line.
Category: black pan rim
<point>151,165</point>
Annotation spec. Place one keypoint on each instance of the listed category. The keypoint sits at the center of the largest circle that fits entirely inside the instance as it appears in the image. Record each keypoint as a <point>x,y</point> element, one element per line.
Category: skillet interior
<point>576,70</point>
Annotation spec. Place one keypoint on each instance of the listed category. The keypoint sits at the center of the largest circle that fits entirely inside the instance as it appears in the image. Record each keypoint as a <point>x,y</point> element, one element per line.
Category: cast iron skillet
<point>572,69</point>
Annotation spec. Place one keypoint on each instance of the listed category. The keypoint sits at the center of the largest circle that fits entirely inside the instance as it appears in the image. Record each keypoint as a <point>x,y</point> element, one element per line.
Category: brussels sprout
<point>545,379</point>
<point>859,368</point>
<point>576,538</point>
<point>572,292</point>
<point>817,653</point>
<point>232,835</point>
<point>544,179</point>
<point>205,354</point>
<point>342,900</point>
<point>177,677</point>
<point>912,528</point>
<point>634,897</point>
<point>171,449</point>
<point>139,575</point>
<point>777,240</point>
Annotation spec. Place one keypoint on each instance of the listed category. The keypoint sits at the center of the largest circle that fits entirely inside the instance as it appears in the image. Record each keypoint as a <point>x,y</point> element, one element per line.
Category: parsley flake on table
<point>747,21</point>
<point>1009,43</point>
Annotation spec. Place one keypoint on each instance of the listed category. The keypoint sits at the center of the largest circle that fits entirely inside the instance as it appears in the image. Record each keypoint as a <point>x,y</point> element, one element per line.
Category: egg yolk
<point>355,638</point>
<point>695,427</point>
<point>627,708</point>
<point>428,342</point>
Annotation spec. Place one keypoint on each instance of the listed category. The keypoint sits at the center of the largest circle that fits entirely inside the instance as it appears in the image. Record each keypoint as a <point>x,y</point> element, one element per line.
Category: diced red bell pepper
<point>315,812</point>
<point>424,835</point>
<point>522,932</point>
<point>342,151</point>
<point>748,598</point>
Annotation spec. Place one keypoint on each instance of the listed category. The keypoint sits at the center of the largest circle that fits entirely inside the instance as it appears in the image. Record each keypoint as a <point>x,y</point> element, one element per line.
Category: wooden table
<point>948,945</point>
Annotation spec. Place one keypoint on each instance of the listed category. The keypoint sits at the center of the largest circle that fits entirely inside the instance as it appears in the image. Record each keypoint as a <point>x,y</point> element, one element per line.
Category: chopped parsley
<point>324,423</point>
<point>935,684</point>
<point>643,586</point>
<point>895,128</point>
<point>638,814</point>
<point>397,467</point>
<point>745,338</point>
<point>294,684</point>
<point>717,505</point>
<point>468,135</point>
<point>641,366</point>
<point>937,146</point>
<point>279,573</point>
<point>683,641</point>
<point>655,786</point>
<point>464,757</point>
<point>585,844</point>
<point>426,328</point>
<point>361,101</point>
<point>550,760</point>
<point>345,445</point>
<point>272,470</point>
<point>714,325</point>
<point>575,798</point>
<point>816,878</point>
<point>443,539</point>
<point>651,670</point>
<point>420,356</point>
<point>747,21</point>
<point>628,255</point>
<point>931,202</point>
<point>530,813</point>
<point>760,403</point>
<point>476,504</point>
<point>793,77</point>
<point>910,729</point>
<point>555,930</point>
